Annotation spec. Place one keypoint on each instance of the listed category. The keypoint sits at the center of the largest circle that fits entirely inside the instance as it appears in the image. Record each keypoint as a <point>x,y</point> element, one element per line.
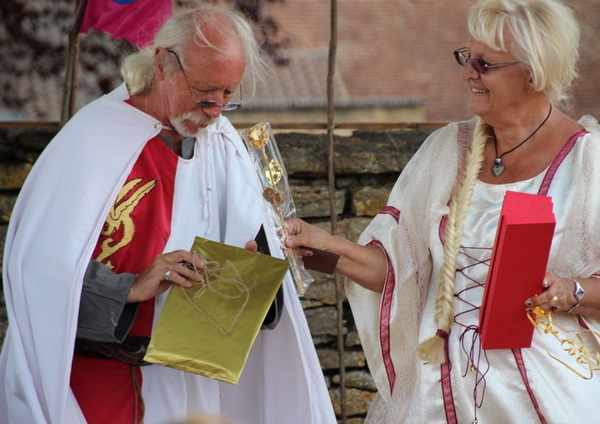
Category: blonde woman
<point>417,276</point>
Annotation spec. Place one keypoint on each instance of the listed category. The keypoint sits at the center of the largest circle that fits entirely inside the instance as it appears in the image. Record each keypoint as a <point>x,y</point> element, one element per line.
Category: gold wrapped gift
<point>209,328</point>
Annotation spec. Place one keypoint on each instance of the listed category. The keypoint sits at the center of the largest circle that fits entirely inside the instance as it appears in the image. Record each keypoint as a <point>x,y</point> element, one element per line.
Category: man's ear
<point>160,58</point>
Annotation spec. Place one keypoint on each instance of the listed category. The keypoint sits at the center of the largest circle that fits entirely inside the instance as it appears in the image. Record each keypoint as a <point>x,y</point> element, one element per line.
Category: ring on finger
<point>555,299</point>
<point>167,274</point>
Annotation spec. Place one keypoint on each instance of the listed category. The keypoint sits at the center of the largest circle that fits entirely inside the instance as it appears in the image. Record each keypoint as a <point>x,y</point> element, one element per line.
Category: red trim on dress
<point>385,314</point>
<point>521,366</point>
<point>545,186</point>
<point>446,381</point>
<point>442,228</point>
<point>390,210</point>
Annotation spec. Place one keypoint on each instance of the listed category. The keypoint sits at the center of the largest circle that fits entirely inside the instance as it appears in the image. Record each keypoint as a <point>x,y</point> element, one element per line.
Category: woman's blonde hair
<point>137,69</point>
<point>432,349</point>
<point>545,36</point>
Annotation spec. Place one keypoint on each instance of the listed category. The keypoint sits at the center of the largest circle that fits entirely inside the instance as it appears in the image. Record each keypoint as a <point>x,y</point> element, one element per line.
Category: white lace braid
<point>432,349</point>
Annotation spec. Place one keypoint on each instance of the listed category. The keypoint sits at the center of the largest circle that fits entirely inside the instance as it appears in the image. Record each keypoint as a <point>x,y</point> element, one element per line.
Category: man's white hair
<point>137,69</point>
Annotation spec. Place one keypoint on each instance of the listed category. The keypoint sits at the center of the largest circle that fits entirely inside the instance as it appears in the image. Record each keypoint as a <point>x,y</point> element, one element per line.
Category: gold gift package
<point>209,328</point>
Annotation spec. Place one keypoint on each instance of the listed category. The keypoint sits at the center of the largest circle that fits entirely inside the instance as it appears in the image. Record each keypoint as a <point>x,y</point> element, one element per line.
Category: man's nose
<point>214,111</point>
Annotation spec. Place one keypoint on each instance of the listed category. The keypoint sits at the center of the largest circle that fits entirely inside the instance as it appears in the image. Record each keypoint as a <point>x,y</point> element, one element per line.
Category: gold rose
<point>258,136</point>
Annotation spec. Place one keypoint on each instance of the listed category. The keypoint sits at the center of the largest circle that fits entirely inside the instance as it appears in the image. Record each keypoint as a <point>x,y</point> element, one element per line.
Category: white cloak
<point>54,228</point>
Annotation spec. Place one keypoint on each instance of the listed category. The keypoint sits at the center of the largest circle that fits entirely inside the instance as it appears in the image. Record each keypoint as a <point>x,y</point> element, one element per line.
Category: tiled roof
<point>302,83</point>
<point>396,51</point>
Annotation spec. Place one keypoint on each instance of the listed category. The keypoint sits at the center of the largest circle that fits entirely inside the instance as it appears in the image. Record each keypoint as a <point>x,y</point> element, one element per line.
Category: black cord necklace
<point>498,166</point>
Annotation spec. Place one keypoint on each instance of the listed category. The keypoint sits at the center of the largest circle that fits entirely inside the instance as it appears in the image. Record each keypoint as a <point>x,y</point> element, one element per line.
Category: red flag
<point>137,21</point>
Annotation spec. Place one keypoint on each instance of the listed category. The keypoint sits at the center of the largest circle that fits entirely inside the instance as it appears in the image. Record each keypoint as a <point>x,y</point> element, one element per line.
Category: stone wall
<point>367,163</point>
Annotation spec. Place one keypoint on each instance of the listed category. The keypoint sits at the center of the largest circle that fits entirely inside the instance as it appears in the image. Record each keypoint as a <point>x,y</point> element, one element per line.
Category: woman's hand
<point>302,236</point>
<point>557,294</point>
<point>365,265</point>
<point>165,270</point>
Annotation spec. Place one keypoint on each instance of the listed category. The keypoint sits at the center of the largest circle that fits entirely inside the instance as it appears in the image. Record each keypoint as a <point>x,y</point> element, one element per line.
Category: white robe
<point>392,323</point>
<point>53,230</point>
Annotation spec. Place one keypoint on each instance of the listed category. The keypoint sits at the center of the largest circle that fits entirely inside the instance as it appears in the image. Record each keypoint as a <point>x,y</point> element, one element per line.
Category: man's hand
<point>178,267</point>
<point>251,245</point>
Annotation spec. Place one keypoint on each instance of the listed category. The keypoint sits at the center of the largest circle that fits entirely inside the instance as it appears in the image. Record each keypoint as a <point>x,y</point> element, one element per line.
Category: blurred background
<point>394,61</point>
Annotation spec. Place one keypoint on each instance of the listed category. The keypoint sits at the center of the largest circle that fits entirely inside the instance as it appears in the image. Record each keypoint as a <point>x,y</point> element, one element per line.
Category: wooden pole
<point>72,59</point>
<point>339,284</point>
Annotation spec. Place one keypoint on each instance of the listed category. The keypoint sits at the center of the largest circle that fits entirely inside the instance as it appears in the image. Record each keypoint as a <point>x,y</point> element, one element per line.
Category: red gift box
<point>517,268</point>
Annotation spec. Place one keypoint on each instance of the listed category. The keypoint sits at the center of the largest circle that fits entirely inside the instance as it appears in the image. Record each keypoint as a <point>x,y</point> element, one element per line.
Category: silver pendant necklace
<point>498,166</point>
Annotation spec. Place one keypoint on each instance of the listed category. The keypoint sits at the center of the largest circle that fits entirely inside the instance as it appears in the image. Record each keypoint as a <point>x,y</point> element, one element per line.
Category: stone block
<point>324,341</point>
<point>330,359</point>
<point>358,380</point>
<point>357,401</point>
<point>13,175</point>
<point>322,321</point>
<point>352,339</point>
<point>303,154</point>
<point>7,203</point>
<point>375,152</point>
<point>24,142</point>
<point>323,291</point>
<point>351,228</point>
<point>312,201</point>
<point>368,201</point>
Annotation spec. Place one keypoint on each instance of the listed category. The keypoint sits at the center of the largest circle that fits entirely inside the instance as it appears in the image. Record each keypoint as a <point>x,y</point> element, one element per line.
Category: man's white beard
<point>179,124</point>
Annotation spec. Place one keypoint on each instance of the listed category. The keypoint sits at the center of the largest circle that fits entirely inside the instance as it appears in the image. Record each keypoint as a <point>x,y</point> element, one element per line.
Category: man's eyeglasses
<point>480,65</point>
<point>227,107</point>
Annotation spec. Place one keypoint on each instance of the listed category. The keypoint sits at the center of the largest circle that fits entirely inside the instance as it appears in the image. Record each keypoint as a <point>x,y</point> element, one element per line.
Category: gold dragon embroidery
<point>119,217</point>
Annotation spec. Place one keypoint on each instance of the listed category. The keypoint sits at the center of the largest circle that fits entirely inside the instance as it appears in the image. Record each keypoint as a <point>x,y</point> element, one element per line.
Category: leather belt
<point>131,351</point>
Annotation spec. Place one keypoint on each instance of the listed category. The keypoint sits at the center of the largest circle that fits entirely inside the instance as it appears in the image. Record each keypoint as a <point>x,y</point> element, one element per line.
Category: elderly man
<point>102,227</point>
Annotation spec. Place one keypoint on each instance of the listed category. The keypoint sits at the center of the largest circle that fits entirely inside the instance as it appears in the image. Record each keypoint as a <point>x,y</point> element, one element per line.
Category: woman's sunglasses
<point>480,65</point>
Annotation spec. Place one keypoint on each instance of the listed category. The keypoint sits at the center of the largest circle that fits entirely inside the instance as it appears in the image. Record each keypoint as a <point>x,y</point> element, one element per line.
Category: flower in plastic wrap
<point>276,191</point>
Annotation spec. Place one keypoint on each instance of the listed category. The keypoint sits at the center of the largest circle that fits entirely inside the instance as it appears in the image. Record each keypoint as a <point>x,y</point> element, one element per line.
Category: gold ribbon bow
<point>571,342</point>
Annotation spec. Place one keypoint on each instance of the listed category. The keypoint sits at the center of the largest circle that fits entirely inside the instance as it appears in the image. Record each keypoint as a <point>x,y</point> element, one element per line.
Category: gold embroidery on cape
<point>119,216</point>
